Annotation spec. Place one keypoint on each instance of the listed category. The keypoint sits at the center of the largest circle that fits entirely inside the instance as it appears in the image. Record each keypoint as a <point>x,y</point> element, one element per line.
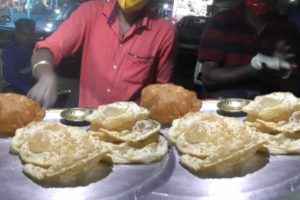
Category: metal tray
<point>103,182</point>
<point>260,178</point>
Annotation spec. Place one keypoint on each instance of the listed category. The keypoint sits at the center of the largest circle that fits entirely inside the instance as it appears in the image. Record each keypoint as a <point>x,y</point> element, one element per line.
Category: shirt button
<point>115,66</point>
<point>108,90</point>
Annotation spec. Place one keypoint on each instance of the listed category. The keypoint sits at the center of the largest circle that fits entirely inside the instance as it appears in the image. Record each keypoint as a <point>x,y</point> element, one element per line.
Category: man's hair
<point>23,23</point>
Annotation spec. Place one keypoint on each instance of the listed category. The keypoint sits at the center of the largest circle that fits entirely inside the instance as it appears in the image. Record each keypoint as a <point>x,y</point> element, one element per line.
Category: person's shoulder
<point>236,13</point>
<point>99,2</point>
<point>162,24</point>
<point>227,20</point>
<point>10,50</point>
<point>11,47</point>
<point>165,24</point>
<point>96,4</point>
<point>228,15</point>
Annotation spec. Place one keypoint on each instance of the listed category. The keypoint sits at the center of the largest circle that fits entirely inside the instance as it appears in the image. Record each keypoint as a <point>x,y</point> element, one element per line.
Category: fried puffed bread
<point>153,149</point>
<point>167,102</point>
<point>142,130</point>
<point>282,137</point>
<point>117,116</point>
<point>125,130</point>
<point>16,111</point>
<point>54,150</point>
<point>207,141</point>
<point>273,107</point>
<point>280,144</point>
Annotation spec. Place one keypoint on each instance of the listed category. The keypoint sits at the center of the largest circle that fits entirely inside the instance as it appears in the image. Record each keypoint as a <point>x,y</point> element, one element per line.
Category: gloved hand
<point>274,63</point>
<point>45,90</point>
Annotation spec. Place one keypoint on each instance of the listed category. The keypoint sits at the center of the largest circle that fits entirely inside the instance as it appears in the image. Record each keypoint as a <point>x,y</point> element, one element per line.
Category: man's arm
<point>66,40</point>
<point>262,67</point>
<point>213,74</point>
<point>45,90</point>
<point>167,58</point>
<point>42,61</point>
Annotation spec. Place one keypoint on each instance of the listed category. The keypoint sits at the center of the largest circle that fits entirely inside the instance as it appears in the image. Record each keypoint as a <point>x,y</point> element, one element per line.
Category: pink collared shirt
<point>114,68</point>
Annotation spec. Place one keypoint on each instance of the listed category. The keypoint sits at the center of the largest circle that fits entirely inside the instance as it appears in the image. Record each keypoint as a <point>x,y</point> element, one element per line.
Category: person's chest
<point>21,58</point>
<point>243,39</point>
<point>123,57</point>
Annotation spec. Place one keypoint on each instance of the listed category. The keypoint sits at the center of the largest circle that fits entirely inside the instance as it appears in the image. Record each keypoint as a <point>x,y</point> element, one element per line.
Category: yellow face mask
<point>132,5</point>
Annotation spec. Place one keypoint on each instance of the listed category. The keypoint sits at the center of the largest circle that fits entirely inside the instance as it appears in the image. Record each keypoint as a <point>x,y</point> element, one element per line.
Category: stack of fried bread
<point>277,117</point>
<point>16,111</point>
<point>167,102</point>
<point>51,151</point>
<point>212,142</point>
<point>128,133</point>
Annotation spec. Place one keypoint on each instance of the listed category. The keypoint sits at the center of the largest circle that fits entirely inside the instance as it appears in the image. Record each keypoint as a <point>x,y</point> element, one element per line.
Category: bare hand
<point>282,73</point>
<point>282,51</point>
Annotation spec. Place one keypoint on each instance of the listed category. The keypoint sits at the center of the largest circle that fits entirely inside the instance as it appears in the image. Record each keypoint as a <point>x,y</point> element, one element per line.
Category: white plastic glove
<point>270,62</point>
<point>45,90</point>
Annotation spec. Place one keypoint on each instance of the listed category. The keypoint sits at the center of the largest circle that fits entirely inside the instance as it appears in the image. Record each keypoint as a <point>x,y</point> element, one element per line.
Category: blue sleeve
<point>10,72</point>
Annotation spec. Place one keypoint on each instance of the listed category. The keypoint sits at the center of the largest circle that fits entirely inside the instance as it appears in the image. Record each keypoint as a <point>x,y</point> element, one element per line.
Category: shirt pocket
<point>139,68</point>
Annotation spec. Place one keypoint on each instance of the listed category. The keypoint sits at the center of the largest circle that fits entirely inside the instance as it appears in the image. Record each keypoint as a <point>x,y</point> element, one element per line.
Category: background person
<point>248,51</point>
<point>16,59</point>
<point>124,48</point>
<point>294,15</point>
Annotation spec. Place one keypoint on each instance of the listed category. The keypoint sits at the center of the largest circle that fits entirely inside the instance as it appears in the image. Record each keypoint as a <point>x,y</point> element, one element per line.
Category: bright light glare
<point>166,6</point>
<point>47,29</point>
<point>70,194</point>
<point>49,25</point>
<point>57,11</point>
<point>223,189</point>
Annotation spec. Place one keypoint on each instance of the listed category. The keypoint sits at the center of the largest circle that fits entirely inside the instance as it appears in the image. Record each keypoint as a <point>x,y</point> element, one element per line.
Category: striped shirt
<point>232,42</point>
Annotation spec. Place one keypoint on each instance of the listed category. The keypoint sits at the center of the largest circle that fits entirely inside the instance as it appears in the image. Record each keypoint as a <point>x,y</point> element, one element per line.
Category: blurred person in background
<point>294,15</point>
<point>249,51</point>
<point>16,59</point>
<point>125,47</point>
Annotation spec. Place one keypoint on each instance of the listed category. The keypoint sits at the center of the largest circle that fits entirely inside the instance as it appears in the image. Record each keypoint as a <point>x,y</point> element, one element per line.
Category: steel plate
<point>102,182</point>
<point>260,178</point>
<point>232,105</point>
<point>74,115</point>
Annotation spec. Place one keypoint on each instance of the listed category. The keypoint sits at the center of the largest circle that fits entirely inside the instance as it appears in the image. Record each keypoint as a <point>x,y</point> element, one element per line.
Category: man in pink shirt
<point>125,47</point>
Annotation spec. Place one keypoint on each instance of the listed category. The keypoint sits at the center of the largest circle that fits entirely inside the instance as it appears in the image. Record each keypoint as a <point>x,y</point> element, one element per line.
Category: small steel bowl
<point>75,115</point>
<point>233,105</point>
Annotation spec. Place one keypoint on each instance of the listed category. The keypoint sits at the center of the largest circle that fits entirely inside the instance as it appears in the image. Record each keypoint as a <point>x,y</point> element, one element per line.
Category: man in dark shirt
<point>248,51</point>
<point>16,58</point>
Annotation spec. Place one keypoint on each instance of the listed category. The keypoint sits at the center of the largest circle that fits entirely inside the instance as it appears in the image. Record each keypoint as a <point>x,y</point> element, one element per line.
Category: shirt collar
<point>110,11</point>
<point>146,21</point>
